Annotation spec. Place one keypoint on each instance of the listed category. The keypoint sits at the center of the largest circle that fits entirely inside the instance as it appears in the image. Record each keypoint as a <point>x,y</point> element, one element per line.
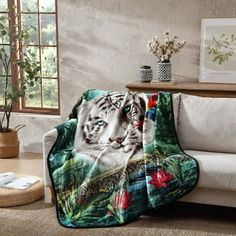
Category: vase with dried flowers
<point>164,51</point>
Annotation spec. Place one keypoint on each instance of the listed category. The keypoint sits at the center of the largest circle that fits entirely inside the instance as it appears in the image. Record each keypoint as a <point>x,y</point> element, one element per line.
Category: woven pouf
<point>16,197</point>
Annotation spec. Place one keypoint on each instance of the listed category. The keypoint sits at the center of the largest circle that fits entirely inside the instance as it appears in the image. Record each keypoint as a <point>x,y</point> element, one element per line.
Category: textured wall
<point>102,44</point>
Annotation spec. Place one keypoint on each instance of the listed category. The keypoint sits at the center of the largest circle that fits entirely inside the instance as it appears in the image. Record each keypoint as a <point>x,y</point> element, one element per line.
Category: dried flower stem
<point>165,50</point>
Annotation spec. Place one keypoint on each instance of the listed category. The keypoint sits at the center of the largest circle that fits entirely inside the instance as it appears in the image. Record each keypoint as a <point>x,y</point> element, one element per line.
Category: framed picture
<point>218,50</point>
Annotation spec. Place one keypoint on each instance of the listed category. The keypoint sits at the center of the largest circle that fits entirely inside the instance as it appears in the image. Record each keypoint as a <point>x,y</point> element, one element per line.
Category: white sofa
<point>206,128</point>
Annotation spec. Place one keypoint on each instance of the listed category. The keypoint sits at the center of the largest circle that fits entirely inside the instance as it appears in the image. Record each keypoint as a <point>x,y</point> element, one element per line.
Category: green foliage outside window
<point>38,22</point>
<point>9,55</point>
<point>34,51</point>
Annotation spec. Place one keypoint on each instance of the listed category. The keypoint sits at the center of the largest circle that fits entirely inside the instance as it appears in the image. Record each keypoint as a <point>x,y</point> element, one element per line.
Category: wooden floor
<point>26,163</point>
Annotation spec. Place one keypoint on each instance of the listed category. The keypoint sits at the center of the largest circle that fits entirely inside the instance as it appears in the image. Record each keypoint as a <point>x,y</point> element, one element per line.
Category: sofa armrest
<point>63,138</point>
<point>48,140</point>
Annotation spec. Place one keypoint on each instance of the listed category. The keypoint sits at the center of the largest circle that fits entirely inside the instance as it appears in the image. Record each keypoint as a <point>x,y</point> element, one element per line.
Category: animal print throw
<point>116,157</point>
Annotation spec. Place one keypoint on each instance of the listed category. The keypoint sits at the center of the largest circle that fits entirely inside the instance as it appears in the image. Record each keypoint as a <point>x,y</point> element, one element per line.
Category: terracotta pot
<point>9,144</point>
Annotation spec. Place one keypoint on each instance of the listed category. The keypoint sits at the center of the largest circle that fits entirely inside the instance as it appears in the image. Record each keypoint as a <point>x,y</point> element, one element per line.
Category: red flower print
<point>159,178</point>
<point>152,101</point>
<point>122,200</point>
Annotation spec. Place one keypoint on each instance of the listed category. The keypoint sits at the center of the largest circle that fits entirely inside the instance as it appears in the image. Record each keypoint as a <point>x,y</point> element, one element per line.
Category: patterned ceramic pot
<point>164,71</point>
<point>145,73</point>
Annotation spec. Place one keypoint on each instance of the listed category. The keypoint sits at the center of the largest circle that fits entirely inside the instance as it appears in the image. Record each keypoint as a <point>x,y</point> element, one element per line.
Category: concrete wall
<point>102,44</point>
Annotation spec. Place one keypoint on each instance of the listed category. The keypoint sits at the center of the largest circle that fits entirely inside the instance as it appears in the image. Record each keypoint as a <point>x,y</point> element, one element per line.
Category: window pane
<point>30,23</point>
<point>48,29</point>
<point>4,26</point>
<point>49,61</point>
<point>2,88</point>
<point>34,91</point>
<point>47,5</point>
<point>3,5</point>
<point>50,93</point>
<point>29,6</point>
<point>32,49</point>
<point>2,71</point>
<point>7,51</point>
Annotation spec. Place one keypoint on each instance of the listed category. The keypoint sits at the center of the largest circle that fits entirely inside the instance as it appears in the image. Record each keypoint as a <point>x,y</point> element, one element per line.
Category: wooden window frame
<point>15,74</point>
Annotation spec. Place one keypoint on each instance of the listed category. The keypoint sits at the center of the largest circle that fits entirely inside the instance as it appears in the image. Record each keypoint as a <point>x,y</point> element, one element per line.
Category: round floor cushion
<point>15,197</point>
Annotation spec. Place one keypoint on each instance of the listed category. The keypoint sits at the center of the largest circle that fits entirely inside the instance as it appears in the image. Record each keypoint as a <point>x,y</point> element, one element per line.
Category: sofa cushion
<point>217,170</point>
<point>176,102</point>
<point>207,124</point>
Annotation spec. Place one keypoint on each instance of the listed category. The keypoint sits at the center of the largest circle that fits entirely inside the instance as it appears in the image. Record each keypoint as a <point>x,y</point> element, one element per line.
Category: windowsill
<point>35,115</point>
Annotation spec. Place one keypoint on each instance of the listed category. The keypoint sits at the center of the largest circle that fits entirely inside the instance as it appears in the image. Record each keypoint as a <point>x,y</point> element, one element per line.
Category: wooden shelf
<point>194,88</point>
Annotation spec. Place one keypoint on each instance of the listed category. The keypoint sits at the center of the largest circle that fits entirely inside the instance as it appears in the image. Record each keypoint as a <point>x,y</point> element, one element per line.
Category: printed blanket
<point>116,157</point>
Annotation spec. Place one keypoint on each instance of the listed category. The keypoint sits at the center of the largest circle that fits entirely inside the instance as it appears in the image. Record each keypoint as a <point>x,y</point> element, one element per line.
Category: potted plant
<point>27,75</point>
<point>164,51</point>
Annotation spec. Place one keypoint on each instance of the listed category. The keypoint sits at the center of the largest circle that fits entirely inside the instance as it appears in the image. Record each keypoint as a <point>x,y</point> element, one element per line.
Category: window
<point>40,16</point>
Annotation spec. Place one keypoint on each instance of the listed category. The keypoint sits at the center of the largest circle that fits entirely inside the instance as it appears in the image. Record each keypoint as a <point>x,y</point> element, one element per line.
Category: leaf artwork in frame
<point>218,50</point>
<point>222,48</point>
